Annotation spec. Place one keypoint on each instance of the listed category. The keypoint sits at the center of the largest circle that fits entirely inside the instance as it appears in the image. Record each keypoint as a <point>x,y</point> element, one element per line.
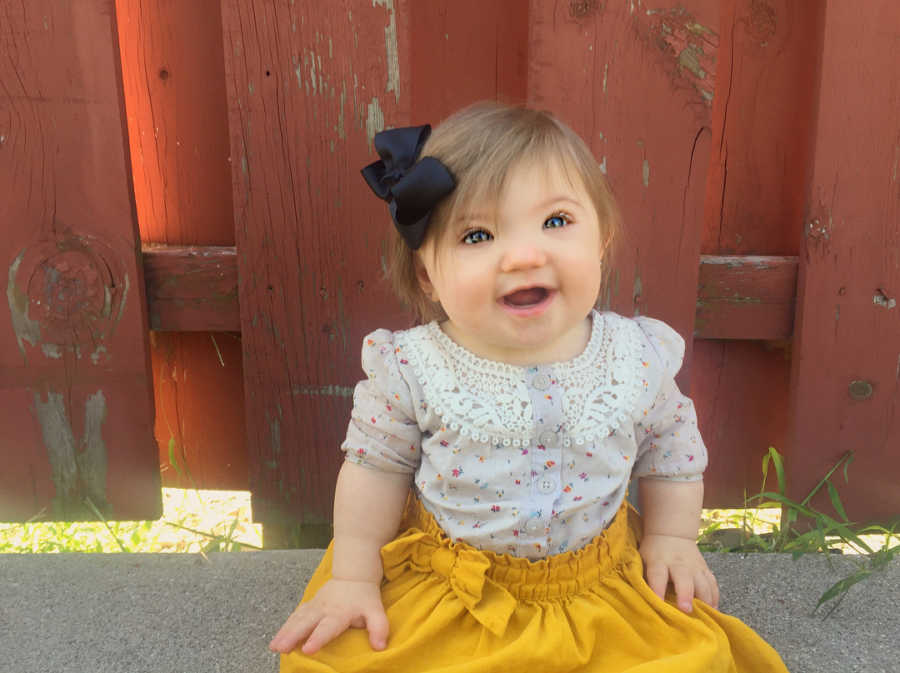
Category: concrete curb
<point>106,613</point>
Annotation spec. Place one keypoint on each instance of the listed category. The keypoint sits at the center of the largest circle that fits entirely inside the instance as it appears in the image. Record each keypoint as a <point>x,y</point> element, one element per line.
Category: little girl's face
<point>518,278</point>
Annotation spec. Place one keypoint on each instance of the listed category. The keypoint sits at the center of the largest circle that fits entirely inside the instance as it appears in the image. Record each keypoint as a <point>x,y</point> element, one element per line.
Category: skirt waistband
<point>424,546</point>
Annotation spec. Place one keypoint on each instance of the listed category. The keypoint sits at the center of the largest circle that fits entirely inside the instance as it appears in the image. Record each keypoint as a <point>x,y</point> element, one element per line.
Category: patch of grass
<point>193,521</point>
<point>824,533</point>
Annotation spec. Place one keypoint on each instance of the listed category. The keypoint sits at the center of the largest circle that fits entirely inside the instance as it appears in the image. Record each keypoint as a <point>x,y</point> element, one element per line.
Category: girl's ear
<point>424,280</point>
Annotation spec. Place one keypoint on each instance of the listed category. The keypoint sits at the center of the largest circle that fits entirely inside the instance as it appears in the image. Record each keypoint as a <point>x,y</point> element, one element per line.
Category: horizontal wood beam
<point>746,297</point>
<point>192,289</point>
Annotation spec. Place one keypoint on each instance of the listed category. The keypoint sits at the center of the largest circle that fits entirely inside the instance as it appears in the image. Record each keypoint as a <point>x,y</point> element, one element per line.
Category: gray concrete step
<point>136,613</point>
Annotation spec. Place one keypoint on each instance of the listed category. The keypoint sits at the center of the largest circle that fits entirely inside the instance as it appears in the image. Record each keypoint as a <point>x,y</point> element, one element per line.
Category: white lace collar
<point>490,402</point>
<point>470,360</point>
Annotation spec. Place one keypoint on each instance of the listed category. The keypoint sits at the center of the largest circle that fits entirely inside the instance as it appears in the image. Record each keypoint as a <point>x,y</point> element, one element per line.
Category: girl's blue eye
<point>477,236</point>
<point>556,221</point>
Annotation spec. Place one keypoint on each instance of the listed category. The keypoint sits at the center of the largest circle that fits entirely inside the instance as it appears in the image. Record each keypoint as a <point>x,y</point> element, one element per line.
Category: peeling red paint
<point>687,45</point>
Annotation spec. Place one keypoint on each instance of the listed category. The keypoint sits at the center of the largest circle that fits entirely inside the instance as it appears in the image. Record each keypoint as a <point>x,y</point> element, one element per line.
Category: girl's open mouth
<point>528,301</point>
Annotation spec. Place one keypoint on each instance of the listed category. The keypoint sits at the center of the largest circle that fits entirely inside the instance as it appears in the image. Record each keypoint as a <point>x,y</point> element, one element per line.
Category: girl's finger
<point>684,589</point>
<point>326,630</point>
<point>657,578</point>
<point>703,588</point>
<point>706,588</point>
<point>715,590</point>
<point>297,627</point>
<point>377,626</point>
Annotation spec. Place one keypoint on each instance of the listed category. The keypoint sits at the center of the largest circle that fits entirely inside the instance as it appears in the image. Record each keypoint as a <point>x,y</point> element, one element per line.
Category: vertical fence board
<point>174,82</point>
<point>646,116</point>
<point>760,158</point>
<point>641,84</point>
<point>76,412</point>
<point>465,51</point>
<point>845,381</point>
<point>309,84</point>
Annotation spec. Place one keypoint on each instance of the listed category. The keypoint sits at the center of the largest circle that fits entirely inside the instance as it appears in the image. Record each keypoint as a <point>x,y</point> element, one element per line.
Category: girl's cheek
<point>472,289</point>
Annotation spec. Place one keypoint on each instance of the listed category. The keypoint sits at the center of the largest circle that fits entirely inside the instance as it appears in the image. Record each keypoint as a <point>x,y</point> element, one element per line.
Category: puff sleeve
<point>669,441</point>
<point>383,433</point>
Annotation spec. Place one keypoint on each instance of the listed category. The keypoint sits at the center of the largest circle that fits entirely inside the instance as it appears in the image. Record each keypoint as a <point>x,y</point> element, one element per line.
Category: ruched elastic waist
<point>424,545</point>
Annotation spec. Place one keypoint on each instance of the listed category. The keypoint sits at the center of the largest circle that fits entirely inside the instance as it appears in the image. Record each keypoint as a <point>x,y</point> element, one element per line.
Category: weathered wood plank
<point>637,86</point>
<point>173,73</point>
<point>489,46</point>
<point>76,406</point>
<point>759,158</point>
<point>194,288</point>
<point>309,84</point>
<point>746,297</point>
<point>845,380</point>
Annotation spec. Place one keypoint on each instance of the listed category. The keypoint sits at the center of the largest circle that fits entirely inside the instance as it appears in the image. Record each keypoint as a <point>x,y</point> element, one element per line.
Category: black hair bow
<point>412,189</point>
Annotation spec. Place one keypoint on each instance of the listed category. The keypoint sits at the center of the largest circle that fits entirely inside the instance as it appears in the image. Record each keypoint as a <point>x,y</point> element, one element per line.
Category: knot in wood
<point>74,289</point>
<point>579,9</point>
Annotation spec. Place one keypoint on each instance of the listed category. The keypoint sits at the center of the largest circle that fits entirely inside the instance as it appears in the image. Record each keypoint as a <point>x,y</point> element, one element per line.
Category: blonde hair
<point>481,144</point>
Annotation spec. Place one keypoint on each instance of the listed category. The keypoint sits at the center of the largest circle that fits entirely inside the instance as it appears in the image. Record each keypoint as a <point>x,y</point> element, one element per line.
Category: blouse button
<point>541,382</point>
<point>534,526</point>
<point>547,485</point>
<point>547,438</point>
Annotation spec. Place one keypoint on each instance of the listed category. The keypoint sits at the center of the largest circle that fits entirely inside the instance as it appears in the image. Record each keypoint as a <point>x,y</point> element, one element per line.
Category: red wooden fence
<point>174,89</point>
<point>753,145</point>
<point>75,398</point>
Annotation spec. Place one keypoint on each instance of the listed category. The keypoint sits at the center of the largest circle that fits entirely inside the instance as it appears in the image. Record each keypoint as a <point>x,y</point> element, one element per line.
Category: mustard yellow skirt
<point>454,608</point>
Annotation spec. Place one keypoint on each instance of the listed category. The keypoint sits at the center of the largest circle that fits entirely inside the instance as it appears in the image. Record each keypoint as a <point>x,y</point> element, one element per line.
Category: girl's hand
<point>338,605</point>
<point>678,559</point>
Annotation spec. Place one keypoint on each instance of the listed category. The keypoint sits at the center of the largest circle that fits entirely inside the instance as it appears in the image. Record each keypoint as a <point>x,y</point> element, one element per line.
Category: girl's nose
<point>522,256</point>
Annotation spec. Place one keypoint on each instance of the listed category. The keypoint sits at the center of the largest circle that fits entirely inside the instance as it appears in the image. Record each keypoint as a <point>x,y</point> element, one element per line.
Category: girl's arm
<point>671,518</point>
<point>368,505</point>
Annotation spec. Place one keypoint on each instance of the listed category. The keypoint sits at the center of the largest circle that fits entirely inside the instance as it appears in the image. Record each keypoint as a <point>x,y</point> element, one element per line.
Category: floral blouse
<point>529,461</point>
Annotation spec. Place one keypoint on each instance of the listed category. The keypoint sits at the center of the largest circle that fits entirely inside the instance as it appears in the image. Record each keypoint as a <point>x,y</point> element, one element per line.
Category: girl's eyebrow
<point>465,218</point>
<point>560,198</point>
<point>543,205</point>
<point>473,218</point>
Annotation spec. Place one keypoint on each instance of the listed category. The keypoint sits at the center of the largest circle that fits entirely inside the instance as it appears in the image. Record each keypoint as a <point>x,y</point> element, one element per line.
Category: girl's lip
<point>532,309</point>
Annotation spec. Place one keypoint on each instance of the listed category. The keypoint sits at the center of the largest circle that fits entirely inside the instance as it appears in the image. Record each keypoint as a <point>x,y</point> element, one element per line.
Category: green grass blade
<point>229,537</point>
<point>777,460</point>
<point>765,472</point>
<point>844,459</point>
<point>215,539</point>
<point>90,504</point>
<point>173,461</point>
<point>884,556</point>
<point>842,586</point>
<point>836,501</point>
<point>212,545</point>
<point>192,530</point>
<point>793,507</point>
<point>846,465</point>
<point>808,542</point>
